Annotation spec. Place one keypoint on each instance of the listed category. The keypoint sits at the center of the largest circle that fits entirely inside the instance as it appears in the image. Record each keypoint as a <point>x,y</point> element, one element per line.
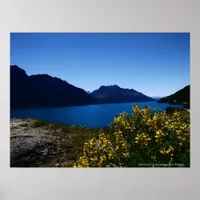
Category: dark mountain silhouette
<point>181,96</point>
<point>44,91</point>
<point>115,94</point>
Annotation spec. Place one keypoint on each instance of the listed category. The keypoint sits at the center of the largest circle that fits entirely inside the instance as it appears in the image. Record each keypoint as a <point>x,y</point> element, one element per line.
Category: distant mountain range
<point>43,90</point>
<point>115,94</point>
<point>156,98</point>
<point>180,97</point>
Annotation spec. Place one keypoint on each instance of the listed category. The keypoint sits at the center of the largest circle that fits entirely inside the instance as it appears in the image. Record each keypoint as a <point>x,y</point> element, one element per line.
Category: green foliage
<point>146,138</point>
<point>40,123</point>
<point>170,110</point>
<point>186,105</point>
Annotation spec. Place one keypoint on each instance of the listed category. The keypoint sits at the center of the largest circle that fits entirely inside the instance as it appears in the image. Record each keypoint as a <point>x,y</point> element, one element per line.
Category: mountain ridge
<point>182,96</point>
<point>116,94</point>
<point>43,90</point>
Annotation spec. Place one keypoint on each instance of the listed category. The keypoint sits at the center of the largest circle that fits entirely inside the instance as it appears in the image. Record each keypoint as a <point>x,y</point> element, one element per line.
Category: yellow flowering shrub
<point>146,137</point>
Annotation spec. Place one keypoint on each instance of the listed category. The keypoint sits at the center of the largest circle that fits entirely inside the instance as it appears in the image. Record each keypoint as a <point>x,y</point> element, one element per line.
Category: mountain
<point>179,97</point>
<point>115,94</point>
<point>44,91</point>
<point>156,98</point>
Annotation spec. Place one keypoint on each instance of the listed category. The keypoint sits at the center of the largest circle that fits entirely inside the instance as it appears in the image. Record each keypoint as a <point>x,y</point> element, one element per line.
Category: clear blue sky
<point>156,64</point>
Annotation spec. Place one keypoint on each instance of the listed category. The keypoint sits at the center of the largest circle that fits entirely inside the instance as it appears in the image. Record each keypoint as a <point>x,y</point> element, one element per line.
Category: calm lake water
<point>87,116</point>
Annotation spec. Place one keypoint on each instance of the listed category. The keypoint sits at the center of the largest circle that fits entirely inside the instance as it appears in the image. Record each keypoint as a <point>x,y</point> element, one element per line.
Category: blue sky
<point>156,64</point>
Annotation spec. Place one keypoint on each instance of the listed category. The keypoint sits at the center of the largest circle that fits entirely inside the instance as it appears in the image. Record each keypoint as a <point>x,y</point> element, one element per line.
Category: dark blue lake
<point>88,116</point>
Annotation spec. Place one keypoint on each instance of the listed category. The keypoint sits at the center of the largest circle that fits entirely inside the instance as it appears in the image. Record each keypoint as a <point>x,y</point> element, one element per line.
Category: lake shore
<point>36,143</point>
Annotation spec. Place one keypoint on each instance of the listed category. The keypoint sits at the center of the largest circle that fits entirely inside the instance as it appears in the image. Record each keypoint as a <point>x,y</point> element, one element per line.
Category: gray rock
<point>28,146</point>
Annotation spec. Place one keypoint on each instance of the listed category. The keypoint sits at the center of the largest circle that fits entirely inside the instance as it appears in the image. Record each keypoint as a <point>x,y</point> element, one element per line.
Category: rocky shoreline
<point>40,144</point>
<point>29,146</point>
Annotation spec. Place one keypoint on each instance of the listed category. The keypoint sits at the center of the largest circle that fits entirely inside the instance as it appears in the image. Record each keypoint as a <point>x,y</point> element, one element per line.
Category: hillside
<point>44,91</point>
<point>179,97</point>
<point>115,94</point>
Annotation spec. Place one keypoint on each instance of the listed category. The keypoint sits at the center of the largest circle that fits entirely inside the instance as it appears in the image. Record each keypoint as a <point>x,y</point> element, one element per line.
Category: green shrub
<point>40,123</point>
<point>171,110</point>
<point>145,138</point>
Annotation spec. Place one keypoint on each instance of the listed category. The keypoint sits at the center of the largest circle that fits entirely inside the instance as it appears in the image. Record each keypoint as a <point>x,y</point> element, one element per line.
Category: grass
<point>24,125</point>
<point>39,123</point>
<point>69,141</point>
<point>14,127</point>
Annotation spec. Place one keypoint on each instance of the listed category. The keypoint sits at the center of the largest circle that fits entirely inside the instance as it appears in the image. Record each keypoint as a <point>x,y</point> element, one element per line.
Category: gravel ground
<point>32,147</point>
<point>36,143</point>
